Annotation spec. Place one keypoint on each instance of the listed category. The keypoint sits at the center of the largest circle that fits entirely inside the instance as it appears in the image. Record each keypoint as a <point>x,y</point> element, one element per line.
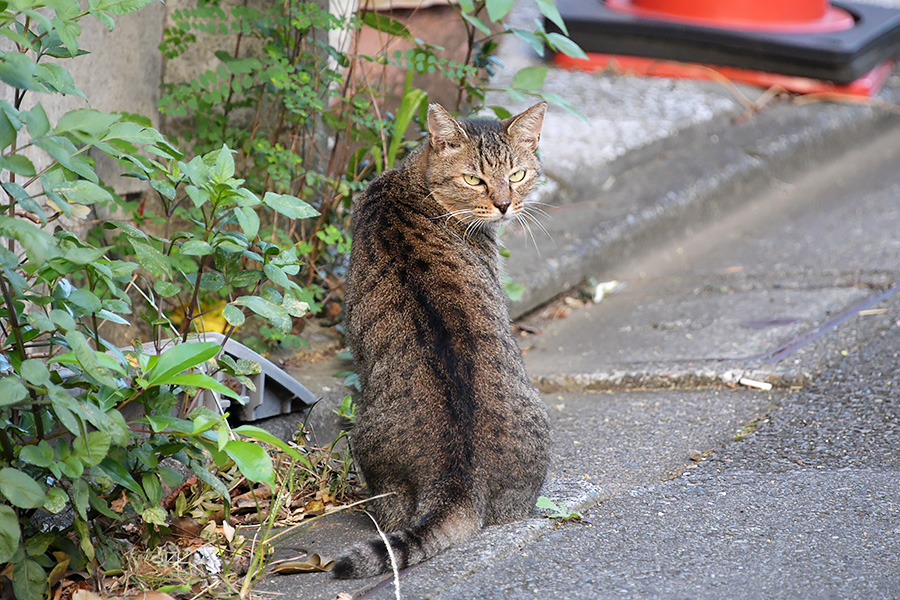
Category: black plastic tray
<point>841,57</point>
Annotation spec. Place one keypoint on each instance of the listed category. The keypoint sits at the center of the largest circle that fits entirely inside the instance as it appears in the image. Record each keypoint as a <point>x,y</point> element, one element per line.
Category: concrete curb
<point>683,186</point>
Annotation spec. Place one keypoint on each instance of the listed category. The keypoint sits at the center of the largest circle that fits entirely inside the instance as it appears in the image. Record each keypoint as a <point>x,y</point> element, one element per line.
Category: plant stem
<point>13,318</point>
<point>189,313</point>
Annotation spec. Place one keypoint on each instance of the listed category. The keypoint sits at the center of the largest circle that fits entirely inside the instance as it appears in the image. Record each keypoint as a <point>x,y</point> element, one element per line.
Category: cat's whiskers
<point>476,223</point>
<point>525,218</point>
<point>528,213</point>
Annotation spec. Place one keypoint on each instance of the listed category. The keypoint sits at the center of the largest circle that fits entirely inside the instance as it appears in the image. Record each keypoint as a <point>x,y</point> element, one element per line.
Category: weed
<point>557,511</point>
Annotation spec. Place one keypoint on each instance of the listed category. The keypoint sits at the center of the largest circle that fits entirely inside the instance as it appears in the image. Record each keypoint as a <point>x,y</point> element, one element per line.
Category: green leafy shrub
<point>310,119</point>
<point>89,432</point>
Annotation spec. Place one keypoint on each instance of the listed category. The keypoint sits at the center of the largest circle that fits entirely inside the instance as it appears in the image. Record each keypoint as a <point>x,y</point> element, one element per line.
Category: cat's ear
<point>444,132</point>
<point>525,128</point>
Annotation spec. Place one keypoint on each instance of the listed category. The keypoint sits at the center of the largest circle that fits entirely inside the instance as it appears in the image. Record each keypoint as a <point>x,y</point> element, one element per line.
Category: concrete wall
<point>121,73</point>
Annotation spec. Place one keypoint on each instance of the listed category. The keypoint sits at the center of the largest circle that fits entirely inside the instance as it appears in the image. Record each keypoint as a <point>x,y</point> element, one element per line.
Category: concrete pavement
<point>761,247</point>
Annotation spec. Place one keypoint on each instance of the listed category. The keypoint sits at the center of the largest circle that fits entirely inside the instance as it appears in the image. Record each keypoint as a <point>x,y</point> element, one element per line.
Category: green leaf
<point>386,24</point>
<point>477,23</point>
<point>201,381</point>
<point>565,45</point>
<point>34,372</point>
<point>294,306</point>
<point>8,133</point>
<point>248,220</point>
<point>181,358</point>
<point>514,291</point>
<point>10,534</point>
<point>88,359</point>
<point>252,461</point>
<point>20,165</point>
<point>150,258</point>
<point>92,448</point>
<point>224,162</point>
<point>66,154</point>
<point>68,32</point>
<point>134,133</point>
<point>530,78</point>
<point>546,503</point>
<point>121,476</point>
<point>152,488</point>
<point>214,482</point>
<point>36,121</point>
<point>532,39</point>
<point>264,436</point>
<point>80,496</point>
<point>85,256</point>
<point>549,10</point>
<point>118,7</point>
<point>56,501</point>
<point>62,319</point>
<point>261,306</point>
<point>84,539</point>
<point>497,9</point>
<point>196,248</point>
<point>29,580</point>
<point>23,198</point>
<point>57,79</point>
<point>40,321</point>
<point>37,544</point>
<point>83,192</point>
<point>165,289</point>
<point>233,315</point>
<point>18,70</point>
<point>154,515</point>
<point>20,489</point>
<point>276,275</point>
<point>40,455</point>
<point>39,245</point>
<point>409,106</point>
<point>289,206</point>
<point>12,390</point>
<point>86,300</point>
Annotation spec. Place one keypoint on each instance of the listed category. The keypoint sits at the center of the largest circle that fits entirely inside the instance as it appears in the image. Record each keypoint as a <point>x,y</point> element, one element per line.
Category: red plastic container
<point>794,16</point>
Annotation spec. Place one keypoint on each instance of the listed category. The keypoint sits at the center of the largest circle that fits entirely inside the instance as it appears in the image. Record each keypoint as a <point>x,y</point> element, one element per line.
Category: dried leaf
<point>185,527</point>
<point>228,531</point>
<point>144,596</point>
<point>314,507</point>
<point>119,504</point>
<point>313,564</point>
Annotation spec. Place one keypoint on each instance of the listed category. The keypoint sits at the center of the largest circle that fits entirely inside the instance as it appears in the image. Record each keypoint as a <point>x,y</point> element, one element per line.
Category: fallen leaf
<point>313,564</point>
<point>144,596</point>
<point>185,527</point>
<point>228,531</point>
<point>314,507</point>
<point>119,504</point>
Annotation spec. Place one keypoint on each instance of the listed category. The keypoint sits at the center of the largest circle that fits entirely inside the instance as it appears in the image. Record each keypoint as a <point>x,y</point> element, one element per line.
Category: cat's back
<point>406,256</point>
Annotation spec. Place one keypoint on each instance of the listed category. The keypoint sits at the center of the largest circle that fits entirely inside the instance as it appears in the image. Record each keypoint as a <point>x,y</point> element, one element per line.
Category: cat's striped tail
<point>409,546</point>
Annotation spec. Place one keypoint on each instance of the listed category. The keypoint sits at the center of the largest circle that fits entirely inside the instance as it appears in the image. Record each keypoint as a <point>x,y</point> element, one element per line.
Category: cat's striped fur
<point>447,421</point>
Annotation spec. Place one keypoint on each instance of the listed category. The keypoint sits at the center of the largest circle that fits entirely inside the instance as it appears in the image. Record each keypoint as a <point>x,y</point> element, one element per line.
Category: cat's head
<point>480,171</point>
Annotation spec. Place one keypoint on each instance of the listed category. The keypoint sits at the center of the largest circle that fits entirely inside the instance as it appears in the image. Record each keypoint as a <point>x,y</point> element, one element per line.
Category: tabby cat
<point>447,421</point>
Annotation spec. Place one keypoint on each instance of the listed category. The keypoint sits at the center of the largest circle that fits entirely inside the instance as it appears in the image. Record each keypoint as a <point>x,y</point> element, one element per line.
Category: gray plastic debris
<point>276,392</point>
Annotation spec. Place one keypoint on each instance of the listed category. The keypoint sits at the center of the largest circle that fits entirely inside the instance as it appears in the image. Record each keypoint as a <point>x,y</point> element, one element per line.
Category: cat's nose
<point>502,206</point>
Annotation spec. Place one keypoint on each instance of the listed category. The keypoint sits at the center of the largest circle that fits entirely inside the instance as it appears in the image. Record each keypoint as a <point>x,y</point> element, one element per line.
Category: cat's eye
<point>472,180</point>
<point>517,176</point>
